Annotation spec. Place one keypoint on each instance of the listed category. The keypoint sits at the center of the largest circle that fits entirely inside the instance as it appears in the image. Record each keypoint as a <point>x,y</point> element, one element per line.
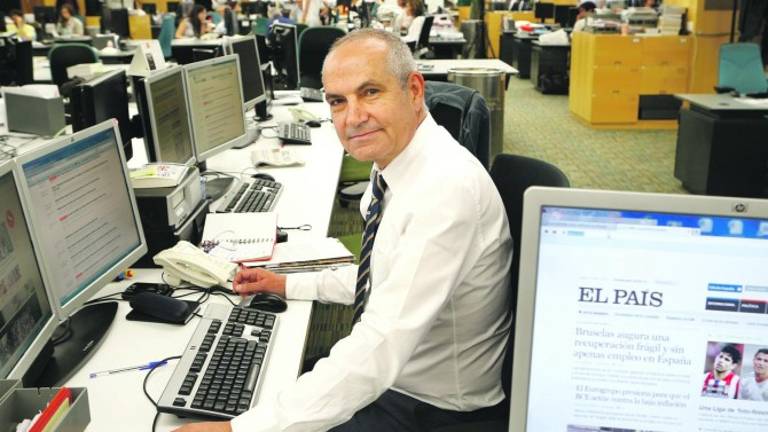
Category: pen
<point>149,365</point>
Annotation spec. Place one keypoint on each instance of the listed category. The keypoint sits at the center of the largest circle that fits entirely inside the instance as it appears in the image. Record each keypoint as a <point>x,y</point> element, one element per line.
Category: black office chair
<point>64,55</point>
<point>464,113</point>
<point>512,175</point>
<point>314,44</point>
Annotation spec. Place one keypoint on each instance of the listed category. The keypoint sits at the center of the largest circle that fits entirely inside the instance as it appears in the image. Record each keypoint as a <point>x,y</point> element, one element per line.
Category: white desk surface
<point>117,402</point>
<point>441,67</point>
<point>41,69</point>
<point>724,102</point>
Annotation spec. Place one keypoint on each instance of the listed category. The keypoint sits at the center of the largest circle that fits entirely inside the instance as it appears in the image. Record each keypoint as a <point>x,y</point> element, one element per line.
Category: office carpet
<point>540,126</point>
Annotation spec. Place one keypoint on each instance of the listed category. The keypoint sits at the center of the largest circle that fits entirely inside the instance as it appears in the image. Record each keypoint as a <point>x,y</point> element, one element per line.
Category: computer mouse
<point>263,176</point>
<point>268,302</point>
<point>312,123</point>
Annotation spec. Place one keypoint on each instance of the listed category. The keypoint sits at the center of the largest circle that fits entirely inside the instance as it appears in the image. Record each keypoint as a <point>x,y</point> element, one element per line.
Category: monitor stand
<point>56,364</point>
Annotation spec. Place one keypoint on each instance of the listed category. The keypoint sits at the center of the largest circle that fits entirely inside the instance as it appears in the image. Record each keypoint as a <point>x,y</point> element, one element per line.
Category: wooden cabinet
<point>609,73</point>
<point>493,25</point>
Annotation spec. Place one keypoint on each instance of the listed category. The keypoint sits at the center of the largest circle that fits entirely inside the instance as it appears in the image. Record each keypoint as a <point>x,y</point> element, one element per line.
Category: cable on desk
<point>144,386</point>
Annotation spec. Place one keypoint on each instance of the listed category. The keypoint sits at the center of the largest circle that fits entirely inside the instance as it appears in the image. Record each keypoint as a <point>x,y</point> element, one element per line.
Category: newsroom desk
<point>447,48</point>
<point>437,70</point>
<point>522,43</point>
<point>721,145</point>
<point>550,67</point>
<point>117,402</point>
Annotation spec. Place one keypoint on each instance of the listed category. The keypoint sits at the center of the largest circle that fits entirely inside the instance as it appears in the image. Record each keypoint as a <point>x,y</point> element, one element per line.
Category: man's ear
<point>416,88</point>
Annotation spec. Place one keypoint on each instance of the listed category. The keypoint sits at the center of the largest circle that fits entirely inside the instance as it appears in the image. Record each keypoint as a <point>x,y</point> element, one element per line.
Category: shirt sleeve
<point>429,258</point>
<point>327,286</point>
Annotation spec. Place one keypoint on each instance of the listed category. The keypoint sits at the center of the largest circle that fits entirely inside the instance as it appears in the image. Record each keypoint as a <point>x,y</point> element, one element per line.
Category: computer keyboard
<point>294,133</point>
<point>259,196</point>
<point>222,367</point>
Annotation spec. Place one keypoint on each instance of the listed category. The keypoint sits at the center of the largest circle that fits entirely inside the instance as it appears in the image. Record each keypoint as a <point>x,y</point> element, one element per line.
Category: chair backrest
<point>167,31</point>
<point>423,41</point>
<point>314,44</point>
<point>447,101</point>
<point>741,68</point>
<point>64,55</point>
<point>512,175</point>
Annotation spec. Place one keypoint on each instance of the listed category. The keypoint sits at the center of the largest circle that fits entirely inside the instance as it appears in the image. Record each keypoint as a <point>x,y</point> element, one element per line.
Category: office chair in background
<point>314,44</point>
<point>64,55</point>
<point>512,175</point>
<point>167,31</point>
<point>741,69</point>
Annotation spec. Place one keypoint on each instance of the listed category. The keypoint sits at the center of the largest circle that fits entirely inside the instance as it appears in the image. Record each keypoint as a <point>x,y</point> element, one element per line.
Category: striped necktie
<point>372,219</point>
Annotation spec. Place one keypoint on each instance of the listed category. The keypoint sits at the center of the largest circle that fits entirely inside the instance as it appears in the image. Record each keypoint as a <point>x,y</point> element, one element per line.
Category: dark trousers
<point>394,411</point>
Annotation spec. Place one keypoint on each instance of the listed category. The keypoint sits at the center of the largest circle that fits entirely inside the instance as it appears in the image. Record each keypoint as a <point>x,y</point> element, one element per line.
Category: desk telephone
<point>185,262</point>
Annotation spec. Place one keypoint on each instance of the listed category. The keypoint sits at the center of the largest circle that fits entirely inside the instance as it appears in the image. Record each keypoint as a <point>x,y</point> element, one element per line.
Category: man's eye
<point>334,102</point>
<point>371,91</point>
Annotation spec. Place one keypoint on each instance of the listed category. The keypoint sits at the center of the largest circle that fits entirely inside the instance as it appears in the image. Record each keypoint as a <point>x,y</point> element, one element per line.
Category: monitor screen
<point>250,70</point>
<point>544,10</point>
<point>215,100</point>
<point>26,318</point>
<point>286,55</point>
<point>169,117</point>
<point>83,213</point>
<point>648,313</point>
<point>103,98</point>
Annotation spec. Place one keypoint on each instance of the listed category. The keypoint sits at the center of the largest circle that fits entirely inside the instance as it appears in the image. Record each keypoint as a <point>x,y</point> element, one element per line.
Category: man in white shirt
<point>431,291</point>
<point>756,387</point>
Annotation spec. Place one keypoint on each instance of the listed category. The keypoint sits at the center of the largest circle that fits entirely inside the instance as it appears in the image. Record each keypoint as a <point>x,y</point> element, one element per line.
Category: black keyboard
<point>221,369</point>
<point>294,133</point>
<point>259,196</point>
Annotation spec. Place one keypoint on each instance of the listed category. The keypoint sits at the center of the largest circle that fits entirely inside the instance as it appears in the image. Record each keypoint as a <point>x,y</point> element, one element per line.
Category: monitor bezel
<point>229,49</point>
<point>201,157</point>
<point>74,304</point>
<point>157,76</point>
<point>44,335</point>
<point>538,197</point>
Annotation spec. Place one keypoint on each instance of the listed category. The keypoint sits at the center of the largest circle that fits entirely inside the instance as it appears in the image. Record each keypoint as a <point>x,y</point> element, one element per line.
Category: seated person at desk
<point>23,30</point>
<point>431,292</point>
<point>411,10</point>
<point>69,24</point>
<point>195,25</point>
<point>586,10</point>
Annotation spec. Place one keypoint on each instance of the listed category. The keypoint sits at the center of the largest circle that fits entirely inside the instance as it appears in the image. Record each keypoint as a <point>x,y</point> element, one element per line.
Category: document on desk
<point>275,157</point>
<point>758,103</point>
<point>240,237</point>
<point>307,256</point>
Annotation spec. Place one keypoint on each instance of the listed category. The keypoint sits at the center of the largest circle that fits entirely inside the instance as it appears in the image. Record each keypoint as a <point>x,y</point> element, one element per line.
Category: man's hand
<point>253,280</point>
<point>206,427</point>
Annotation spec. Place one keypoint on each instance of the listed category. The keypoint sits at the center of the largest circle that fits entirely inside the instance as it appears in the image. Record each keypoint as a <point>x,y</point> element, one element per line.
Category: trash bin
<point>490,84</point>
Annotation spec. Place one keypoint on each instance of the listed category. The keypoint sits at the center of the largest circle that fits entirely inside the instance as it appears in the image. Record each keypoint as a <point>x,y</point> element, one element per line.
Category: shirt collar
<point>397,172</point>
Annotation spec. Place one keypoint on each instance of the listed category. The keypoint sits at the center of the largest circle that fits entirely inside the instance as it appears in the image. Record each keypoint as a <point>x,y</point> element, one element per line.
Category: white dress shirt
<point>437,320</point>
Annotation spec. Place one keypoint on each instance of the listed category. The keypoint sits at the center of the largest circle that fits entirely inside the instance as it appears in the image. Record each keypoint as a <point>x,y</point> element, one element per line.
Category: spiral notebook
<point>240,237</point>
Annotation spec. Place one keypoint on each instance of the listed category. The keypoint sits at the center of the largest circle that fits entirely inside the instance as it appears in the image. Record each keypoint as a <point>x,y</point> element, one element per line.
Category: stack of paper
<point>307,256</point>
<point>158,175</point>
<point>671,19</point>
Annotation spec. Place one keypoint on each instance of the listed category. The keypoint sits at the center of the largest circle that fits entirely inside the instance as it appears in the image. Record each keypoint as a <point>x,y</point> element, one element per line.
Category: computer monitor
<point>172,6</point>
<point>102,98</point>
<point>85,222</point>
<point>625,302</point>
<point>544,11</point>
<point>168,116</point>
<point>250,69</point>
<point>26,318</point>
<point>15,61</point>
<point>254,8</point>
<point>231,26</point>
<point>563,15</point>
<point>285,55</point>
<point>45,14</point>
<point>93,7</point>
<point>149,8</point>
<point>215,98</point>
<point>115,21</point>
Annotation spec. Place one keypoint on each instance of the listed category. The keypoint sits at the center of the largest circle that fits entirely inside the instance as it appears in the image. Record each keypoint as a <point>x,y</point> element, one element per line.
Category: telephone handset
<point>185,262</point>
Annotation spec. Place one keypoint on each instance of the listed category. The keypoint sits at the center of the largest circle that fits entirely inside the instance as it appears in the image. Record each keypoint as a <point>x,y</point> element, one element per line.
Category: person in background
<point>586,10</point>
<point>411,10</point>
<point>310,12</point>
<point>69,24</point>
<point>195,24</point>
<point>23,30</point>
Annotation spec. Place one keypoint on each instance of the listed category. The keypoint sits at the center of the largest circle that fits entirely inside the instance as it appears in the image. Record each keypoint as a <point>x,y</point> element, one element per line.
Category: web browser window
<point>649,322</point>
